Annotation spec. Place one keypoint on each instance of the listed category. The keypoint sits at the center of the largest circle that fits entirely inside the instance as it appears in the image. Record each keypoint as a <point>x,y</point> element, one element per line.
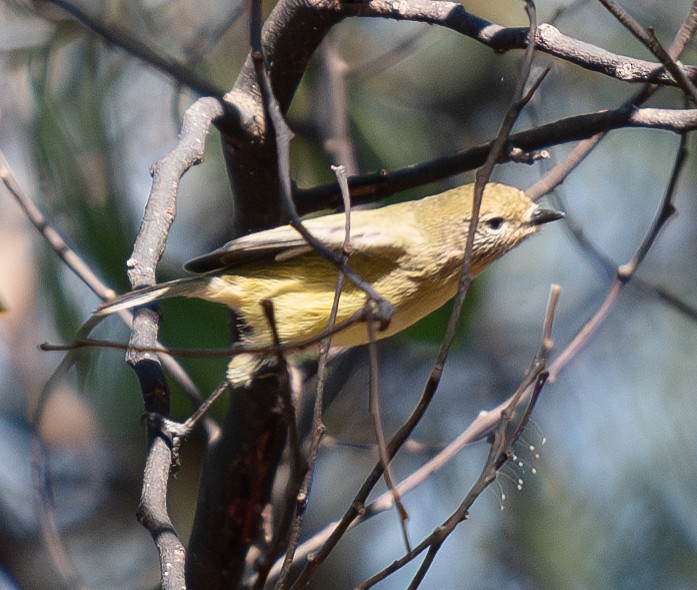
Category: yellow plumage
<point>410,252</point>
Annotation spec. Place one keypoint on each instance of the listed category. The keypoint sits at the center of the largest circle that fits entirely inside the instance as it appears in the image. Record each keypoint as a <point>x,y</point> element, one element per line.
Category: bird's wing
<point>285,242</point>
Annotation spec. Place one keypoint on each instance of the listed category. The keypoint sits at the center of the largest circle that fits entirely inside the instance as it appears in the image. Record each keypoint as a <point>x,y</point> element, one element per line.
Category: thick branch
<point>231,501</point>
<point>290,36</point>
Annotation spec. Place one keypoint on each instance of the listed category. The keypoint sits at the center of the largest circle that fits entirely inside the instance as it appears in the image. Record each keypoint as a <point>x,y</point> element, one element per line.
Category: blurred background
<point>608,492</point>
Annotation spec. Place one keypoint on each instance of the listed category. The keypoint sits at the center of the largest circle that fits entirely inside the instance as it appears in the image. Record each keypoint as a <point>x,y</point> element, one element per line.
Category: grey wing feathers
<point>285,242</point>
<point>252,247</point>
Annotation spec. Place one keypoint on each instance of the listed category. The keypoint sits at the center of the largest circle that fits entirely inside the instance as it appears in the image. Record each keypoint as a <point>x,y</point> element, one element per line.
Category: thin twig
<point>686,32</point>
<point>134,46</point>
<point>393,56</point>
<point>503,439</point>
<point>330,106</point>
<point>625,272</point>
<point>318,429</point>
<point>374,407</point>
<point>557,174</point>
<point>363,315</point>
<point>81,269</point>
<point>432,384</point>
<point>648,38</point>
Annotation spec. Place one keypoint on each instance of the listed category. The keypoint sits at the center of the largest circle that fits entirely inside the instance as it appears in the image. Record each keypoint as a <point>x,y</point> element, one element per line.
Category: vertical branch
<point>149,246</point>
<point>331,108</point>
<point>249,141</point>
<point>318,428</point>
<point>152,509</point>
<point>240,468</point>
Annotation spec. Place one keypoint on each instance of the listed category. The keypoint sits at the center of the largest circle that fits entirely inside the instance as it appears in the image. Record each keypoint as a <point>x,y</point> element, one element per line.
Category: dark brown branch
<point>241,467</point>
<point>380,184</point>
<point>290,36</point>
<point>234,488</point>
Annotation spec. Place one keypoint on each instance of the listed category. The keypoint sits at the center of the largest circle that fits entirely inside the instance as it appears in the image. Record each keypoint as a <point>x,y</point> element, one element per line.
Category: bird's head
<point>506,217</point>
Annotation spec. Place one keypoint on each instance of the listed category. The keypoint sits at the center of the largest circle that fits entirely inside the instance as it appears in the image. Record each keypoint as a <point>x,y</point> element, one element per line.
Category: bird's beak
<point>540,216</point>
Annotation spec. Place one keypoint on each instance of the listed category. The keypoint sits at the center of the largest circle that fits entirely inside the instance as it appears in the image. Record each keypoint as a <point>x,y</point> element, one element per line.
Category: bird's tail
<point>187,287</point>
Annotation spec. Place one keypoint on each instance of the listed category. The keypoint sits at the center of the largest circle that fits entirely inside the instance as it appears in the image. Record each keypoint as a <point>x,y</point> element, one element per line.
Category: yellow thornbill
<point>410,252</point>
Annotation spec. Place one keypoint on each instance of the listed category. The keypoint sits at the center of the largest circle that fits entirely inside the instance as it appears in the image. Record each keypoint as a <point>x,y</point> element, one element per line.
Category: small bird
<point>411,253</point>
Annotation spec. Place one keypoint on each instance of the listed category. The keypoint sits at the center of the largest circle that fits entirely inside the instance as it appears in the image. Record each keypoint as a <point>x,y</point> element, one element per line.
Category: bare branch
<point>148,248</point>
<point>515,414</point>
<point>375,185</point>
<point>431,386</point>
<point>626,271</point>
<point>648,38</point>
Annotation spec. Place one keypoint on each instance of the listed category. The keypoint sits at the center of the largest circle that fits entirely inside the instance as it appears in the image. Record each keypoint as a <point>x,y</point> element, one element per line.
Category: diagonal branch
<point>625,272</point>
<point>648,38</point>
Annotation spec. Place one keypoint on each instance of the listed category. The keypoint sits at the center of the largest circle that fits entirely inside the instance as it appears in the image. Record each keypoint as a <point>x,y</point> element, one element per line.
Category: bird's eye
<point>495,223</point>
